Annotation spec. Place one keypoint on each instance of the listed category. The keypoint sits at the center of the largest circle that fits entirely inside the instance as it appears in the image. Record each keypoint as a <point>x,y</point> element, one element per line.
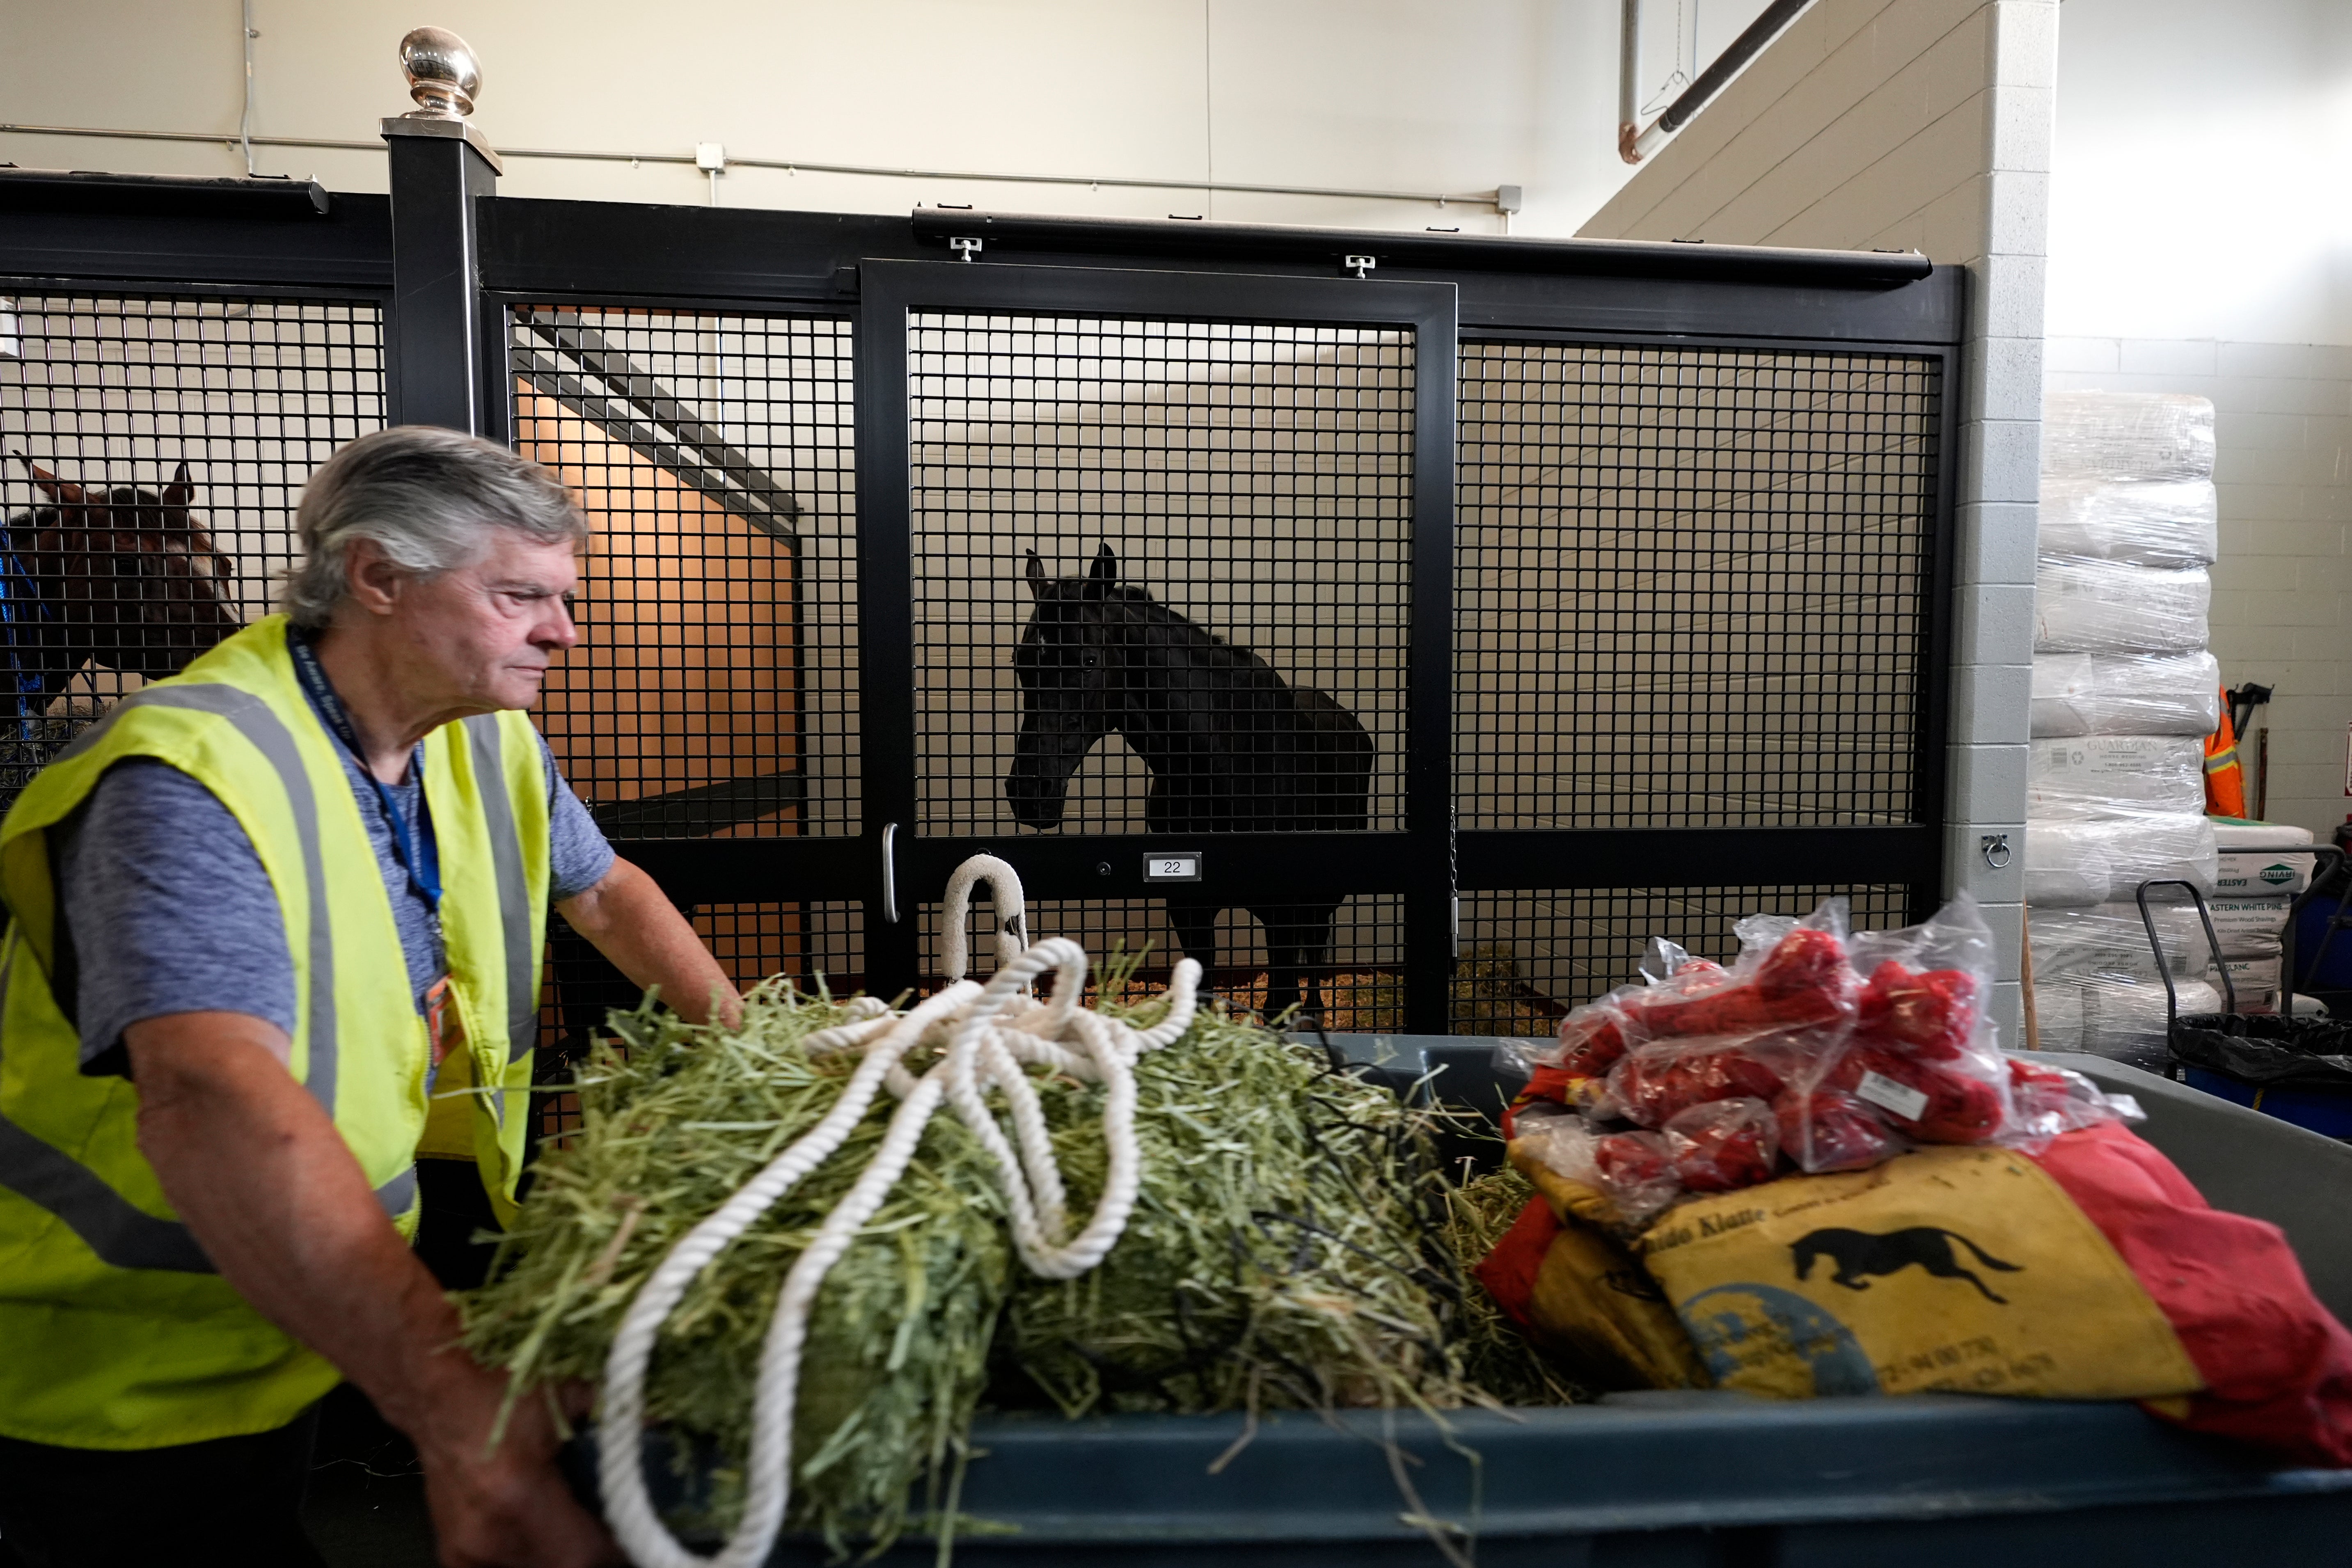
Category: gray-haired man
<point>259,916</point>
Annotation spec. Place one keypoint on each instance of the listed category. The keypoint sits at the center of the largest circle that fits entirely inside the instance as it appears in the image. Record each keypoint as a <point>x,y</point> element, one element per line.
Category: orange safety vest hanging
<point>2225,780</point>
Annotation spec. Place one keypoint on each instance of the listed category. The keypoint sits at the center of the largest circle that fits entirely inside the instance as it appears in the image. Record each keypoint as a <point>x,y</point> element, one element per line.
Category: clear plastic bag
<point>2090,776</point>
<point>1658,1081</point>
<point>2113,607</point>
<point>1591,1039</point>
<point>1892,1050</point>
<point>1789,974</point>
<point>2152,523</point>
<point>1724,1144</point>
<point>2125,694</point>
<point>1827,1129</point>
<point>2126,436</point>
<point>1635,1171</point>
<point>2047,1100</point>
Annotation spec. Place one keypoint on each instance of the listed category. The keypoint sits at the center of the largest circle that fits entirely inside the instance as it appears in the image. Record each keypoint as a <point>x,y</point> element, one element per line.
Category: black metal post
<point>1431,922</point>
<point>886,575</point>
<point>434,340</point>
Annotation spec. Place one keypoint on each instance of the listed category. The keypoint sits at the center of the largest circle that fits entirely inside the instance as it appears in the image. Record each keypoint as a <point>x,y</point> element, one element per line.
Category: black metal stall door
<point>1211,718</point>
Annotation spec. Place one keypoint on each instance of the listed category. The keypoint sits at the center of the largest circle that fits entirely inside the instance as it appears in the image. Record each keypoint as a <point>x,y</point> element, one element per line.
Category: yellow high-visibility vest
<point>115,1330</point>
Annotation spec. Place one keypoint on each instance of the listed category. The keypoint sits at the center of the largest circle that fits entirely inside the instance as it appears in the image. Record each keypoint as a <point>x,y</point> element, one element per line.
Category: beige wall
<point>1915,124</point>
<point>1383,95</point>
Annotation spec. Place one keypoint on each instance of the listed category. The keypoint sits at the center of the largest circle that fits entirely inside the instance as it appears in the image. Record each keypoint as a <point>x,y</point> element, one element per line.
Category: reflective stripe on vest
<point>123,1236</point>
<point>514,891</point>
<point>108,1223</point>
<point>268,735</point>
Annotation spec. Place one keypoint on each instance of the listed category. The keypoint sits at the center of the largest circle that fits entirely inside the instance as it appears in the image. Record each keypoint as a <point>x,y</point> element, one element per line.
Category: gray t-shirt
<point>170,912</point>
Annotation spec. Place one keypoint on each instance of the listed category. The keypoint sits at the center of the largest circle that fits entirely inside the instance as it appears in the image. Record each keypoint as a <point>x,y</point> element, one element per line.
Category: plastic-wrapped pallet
<point>2115,1016</point>
<point>2126,436</point>
<point>2077,861</point>
<point>2111,939</point>
<point>2149,522</point>
<point>2083,605</point>
<point>2125,694</point>
<point>2092,774</point>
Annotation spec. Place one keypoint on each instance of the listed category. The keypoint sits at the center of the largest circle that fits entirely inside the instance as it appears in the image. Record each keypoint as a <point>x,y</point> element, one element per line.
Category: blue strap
<point>419,854</point>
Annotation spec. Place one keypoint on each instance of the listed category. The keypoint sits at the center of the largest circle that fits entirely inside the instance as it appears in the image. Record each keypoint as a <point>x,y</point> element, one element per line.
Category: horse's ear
<point>179,492</point>
<point>1104,570</point>
<point>58,489</point>
<point>1037,575</point>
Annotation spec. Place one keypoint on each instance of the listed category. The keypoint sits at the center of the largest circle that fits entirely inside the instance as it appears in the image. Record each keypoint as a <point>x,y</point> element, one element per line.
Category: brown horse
<point>122,578</point>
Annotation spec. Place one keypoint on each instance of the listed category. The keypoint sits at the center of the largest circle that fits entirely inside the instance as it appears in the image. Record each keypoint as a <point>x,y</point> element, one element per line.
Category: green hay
<point>674,1120</point>
<point>1492,1354</point>
<point>1292,1247</point>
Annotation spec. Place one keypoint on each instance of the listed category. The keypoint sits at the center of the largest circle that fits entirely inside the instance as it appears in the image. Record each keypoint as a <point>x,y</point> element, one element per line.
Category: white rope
<point>984,1039</point>
<point>1004,901</point>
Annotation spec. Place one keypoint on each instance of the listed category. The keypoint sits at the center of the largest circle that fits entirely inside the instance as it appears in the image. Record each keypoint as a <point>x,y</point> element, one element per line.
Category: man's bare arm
<point>632,922</point>
<point>268,1188</point>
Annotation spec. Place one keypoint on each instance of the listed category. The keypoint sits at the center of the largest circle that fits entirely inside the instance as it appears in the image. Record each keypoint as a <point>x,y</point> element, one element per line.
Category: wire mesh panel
<point>1691,586</point>
<point>1159,578</point>
<point>158,447</point>
<point>810,943</point>
<point>1529,956</point>
<point>714,691</point>
<point>1209,636</point>
<point>1355,978</point>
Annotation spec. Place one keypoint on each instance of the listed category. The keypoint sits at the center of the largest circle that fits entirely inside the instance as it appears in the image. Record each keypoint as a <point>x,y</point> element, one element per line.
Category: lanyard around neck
<point>418,853</point>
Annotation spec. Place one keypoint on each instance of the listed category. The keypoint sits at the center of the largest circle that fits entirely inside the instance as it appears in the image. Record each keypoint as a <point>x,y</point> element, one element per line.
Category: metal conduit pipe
<point>1629,79</point>
<point>1750,43</point>
<point>1502,200</point>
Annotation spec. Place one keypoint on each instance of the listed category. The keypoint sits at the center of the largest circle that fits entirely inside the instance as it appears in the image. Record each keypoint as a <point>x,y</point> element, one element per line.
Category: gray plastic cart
<point>1702,1480</point>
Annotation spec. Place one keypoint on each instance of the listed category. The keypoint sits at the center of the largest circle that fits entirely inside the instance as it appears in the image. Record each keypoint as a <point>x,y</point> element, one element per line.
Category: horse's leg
<point>1297,948</point>
<point>1196,932</point>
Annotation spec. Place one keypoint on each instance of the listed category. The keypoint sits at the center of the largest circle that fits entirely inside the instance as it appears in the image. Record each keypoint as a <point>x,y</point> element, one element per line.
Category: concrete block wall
<point>1922,124</point>
<point>2283,588</point>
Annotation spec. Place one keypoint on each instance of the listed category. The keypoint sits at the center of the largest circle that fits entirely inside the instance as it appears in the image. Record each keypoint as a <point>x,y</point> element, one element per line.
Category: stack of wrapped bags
<point>2125,692</point>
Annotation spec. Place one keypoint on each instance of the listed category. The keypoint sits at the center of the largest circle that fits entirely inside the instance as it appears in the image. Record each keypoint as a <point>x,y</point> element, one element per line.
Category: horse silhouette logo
<point>1858,1254</point>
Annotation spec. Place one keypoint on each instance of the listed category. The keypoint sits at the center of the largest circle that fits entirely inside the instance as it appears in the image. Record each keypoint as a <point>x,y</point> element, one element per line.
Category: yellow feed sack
<point>1594,1309</point>
<point>1965,1270</point>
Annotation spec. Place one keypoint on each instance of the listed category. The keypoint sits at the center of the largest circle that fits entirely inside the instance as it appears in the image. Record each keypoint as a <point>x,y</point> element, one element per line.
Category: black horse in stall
<point>120,577</point>
<point>1233,747</point>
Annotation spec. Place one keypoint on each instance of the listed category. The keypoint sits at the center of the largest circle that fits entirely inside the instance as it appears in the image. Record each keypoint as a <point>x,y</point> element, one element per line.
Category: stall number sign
<point>1177,866</point>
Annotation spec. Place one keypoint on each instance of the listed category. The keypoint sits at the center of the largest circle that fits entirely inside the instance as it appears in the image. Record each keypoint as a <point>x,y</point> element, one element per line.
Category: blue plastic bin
<point>1698,1480</point>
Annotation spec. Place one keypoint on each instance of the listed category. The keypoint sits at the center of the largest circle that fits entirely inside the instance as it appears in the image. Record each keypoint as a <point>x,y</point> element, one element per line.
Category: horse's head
<point>125,576</point>
<point>1071,685</point>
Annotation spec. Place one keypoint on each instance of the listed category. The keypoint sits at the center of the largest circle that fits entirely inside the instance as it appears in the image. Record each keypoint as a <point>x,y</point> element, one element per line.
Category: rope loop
<point>982,1040</point>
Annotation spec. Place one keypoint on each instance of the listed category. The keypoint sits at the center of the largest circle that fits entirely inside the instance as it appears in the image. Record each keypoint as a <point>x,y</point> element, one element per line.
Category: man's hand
<point>631,921</point>
<point>512,1506</point>
<point>268,1186</point>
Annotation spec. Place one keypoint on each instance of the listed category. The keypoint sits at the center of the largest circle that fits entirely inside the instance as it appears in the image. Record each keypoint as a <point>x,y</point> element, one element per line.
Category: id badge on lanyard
<point>437,1019</point>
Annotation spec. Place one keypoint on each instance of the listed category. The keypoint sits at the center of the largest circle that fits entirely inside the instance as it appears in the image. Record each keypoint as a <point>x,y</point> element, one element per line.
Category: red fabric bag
<point>2277,1364</point>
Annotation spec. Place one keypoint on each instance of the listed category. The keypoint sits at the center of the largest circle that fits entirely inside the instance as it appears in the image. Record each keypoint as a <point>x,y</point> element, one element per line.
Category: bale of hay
<point>1293,1248</point>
